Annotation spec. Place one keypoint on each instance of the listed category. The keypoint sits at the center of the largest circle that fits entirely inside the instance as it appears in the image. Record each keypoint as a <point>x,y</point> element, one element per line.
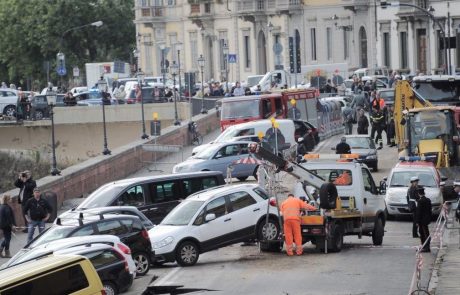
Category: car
<point>40,108</point>
<point>253,80</point>
<point>154,196</point>
<point>219,157</point>
<point>388,95</point>
<point>128,228</point>
<point>8,102</point>
<point>110,264</point>
<point>380,81</point>
<point>212,219</point>
<point>126,210</point>
<point>147,95</point>
<point>91,98</point>
<point>302,127</point>
<point>30,253</point>
<point>398,181</point>
<point>364,146</point>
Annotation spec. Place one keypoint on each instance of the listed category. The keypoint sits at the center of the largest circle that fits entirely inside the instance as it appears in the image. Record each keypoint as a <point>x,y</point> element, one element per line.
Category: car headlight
<point>163,243</point>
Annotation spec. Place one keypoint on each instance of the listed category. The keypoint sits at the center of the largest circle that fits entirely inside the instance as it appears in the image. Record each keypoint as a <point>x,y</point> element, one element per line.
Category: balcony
<point>356,5</point>
<point>152,14</point>
<point>201,11</point>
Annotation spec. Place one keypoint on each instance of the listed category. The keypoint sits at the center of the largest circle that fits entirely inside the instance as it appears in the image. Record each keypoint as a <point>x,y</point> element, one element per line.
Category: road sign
<point>76,72</point>
<point>61,71</point>
<point>232,58</point>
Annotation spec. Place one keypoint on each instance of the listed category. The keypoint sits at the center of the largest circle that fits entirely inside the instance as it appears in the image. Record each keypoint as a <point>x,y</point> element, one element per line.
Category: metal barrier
<point>168,154</point>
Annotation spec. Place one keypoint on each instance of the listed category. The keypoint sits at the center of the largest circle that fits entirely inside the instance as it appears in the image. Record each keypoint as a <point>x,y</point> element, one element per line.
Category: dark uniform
<point>423,217</point>
<point>390,124</point>
<point>363,125</point>
<point>378,122</point>
<point>412,198</point>
<point>343,148</point>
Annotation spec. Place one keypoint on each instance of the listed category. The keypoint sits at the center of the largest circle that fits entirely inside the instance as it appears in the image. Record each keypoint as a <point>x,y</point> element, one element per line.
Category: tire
<point>319,244</point>
<point>243,178</point>
<point>109,288</point>
<point>10,111</point>
<point>269,232</point>
<point>328,195</point>
<point>187,253</point>
<point>378,232</point>
<point>336,242</point>
<point>142,262</point>
<point>39,115</point>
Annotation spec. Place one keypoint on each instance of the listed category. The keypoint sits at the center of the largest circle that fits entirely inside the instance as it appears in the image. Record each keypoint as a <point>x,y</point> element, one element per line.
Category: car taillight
<point>103,292</point>
<point>145,234</point>
<point>125,249</point>
<point>272,202</point>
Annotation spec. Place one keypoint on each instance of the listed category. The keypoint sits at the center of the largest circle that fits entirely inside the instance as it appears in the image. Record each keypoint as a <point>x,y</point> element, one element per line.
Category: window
<point>240,200</point>
<point>207,8</point>
<point>386,49</point>
<point>261,193</point>
<point>194,185</point>
<point>329,43</point>
<point>229,151</point>
<point>64,281</point>
<point>209,182</point>
<point>194,8</point>
<point>84,231</point>
<point>166,191</point>
<point>266,108</point>
<point>145,12</point>
<point>134,196</point>
<point>171,2</point>
<point>145,3</point>
<point>102,258</point>
<point>338,176</point>
<point>403,49</point>
<point>278,106</point>
<point>346,48</point>
<point>369,184</point>
<point>111,227</point>
<point>132,225</point>
<point>439,51</point>
<point>313,43</point>
<point>247,50</point>
<point>217,207</point>
<point>194,49</point>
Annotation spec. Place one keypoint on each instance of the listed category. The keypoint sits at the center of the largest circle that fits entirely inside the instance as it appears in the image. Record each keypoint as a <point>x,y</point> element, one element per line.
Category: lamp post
<point>179,46</point>
<point>140,81</point>
<point>174,68</point>
<point>102,86</point>
<point>163,66</point>
<point>201,62</point>
<point>225,52</point>
<point>51,100</point>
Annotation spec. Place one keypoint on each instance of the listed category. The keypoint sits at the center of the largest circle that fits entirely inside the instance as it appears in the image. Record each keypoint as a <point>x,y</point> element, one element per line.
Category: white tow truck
<point>350,203</point>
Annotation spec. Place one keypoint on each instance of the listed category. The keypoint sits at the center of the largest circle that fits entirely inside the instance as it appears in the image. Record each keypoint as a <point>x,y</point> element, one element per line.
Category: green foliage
<point>32,30</point>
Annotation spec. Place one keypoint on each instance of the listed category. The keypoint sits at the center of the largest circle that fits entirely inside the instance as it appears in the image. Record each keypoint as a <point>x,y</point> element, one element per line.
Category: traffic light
<point>291,55</point>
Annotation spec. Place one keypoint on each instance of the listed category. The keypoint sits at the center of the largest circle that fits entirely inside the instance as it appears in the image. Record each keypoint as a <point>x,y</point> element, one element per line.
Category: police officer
<point>412,198</point>
<point>378,123</point>
<point>390,124</point>
<point>423,217</point>
<point>343,147</point>
<point>37,211</point>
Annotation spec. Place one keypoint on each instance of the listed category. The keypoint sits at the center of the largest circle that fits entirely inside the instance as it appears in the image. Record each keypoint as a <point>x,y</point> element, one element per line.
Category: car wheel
<point>242,178</point>
<point>38,115</point>
<point>109,288</point>
<point>268,234</point>
<point>10,111</point>
<point>336,241</point>
<point>187,253</point>
<point>378,232</point>
<point>328,195</point>
<point>142,262</point>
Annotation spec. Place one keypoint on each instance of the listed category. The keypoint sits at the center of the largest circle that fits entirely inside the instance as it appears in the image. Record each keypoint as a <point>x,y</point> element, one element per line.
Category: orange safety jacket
<point>381,103</point>
<point>290,208</point>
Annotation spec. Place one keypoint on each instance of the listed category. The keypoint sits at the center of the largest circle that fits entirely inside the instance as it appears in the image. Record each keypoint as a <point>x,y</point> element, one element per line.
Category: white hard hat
<point>300,139</point>
<point>414,178</point>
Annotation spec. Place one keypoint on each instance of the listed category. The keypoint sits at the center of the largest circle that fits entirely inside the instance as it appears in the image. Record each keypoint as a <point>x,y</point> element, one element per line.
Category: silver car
<point>218,157</point>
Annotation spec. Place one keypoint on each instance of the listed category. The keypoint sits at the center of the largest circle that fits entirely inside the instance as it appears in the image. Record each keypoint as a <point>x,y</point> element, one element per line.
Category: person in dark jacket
<point>378,123</point>
<point>7,224</point>
<point>412,198</point>
<point>423,217</point>
<point>26,185</point>
<point>37,212</point>
<point>363,123</point>
<point>343,147</point>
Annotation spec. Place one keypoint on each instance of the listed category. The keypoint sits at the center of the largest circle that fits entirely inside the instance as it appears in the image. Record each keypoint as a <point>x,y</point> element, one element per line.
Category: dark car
<point>364,146</point>
<point>301,128</point>
<point>128,228</point>
<point>40,108</point>
<point>388,95</point>
<point>147,95</point>
<point>155,196</point>
<point>109,263</point>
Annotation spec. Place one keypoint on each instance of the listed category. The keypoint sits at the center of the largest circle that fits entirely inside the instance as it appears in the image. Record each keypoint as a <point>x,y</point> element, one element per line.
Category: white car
<point>215,218</point>
<point>26,254</point>
<point>8,102</point>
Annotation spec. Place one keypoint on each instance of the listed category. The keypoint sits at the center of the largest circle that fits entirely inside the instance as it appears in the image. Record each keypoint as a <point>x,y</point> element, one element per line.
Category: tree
<point>32,30</point>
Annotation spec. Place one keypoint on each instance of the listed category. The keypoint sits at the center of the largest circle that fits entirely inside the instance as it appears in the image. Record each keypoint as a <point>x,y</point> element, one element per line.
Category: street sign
<point>232,58</point>
<point>60,64</point>
<point>76,72</point>
<point>165,64</point>
<point>118,67</point>
<point>61,71</point>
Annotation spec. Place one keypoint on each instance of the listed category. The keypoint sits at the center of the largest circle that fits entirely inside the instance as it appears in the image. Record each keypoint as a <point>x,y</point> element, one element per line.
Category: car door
<point>371,199</point>
<point>224,157</point>
<point>164,196</point>
<point>245,211</point>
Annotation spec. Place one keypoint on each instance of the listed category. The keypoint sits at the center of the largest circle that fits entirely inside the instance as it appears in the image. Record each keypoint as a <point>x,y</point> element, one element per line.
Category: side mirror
<point>209,217</point>
<point>383,187</point>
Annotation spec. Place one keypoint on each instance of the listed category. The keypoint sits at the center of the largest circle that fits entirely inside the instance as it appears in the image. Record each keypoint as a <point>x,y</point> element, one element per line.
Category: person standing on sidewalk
<point>290,210</point>
<point>37,212</point>
<point>412,198</point>
<point>423,218</point>
<point>7,225</point>
<point>26,185</point>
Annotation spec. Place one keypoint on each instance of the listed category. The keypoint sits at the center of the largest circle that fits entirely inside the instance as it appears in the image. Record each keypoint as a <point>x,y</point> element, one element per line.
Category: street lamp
<point>102,86</point>
<point>163,65</point>
<point>51,100</point>
<point>225,52</point>
<point>174,68</point>
<point>201,62</point>
<point>140,81</point>
<point>179,46</point>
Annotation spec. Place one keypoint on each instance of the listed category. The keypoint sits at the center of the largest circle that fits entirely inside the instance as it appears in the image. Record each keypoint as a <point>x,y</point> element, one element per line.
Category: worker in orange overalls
<point>290,210</point>
<point>343,179</point>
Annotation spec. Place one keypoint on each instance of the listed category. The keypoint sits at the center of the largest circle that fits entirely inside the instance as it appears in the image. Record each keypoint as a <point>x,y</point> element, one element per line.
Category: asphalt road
<point>360,268</point>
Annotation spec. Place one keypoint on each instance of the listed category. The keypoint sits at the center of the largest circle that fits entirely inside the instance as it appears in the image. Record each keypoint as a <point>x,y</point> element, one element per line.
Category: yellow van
<point>52,275</point>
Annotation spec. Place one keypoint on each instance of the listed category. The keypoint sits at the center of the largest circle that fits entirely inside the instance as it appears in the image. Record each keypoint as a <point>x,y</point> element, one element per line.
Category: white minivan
<point>250,130</point>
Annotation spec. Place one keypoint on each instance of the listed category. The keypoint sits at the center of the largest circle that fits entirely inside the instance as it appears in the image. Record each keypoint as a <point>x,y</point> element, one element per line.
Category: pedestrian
<point>7,225</point>
<point>423,218</point>
<point>290,210</point>
<point>343,147</point>
<point>238,90</point>
<point>378,122</point>
<point>390,125</point>
<point>37,211</point>
<point>363,123</point>
<point>348,119</point>
<point>26,185</point>
<point>301,149</point>
<point>412,197</point>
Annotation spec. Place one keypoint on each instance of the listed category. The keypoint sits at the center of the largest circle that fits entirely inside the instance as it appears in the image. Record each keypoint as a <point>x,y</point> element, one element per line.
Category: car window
<point>209,182</point>
<point>368,181</point>
<point>190,186</point>
<point>101,258</point>
<point>134,196</point>
<point>54,233</point>
<point>261,193</point>
<point>132,225</point>
<point>111,227</point>
<point>340,177</point>
<point>166,191</point>
<point>240,200</point>
<point>84,231</point>
<point>217,206</point>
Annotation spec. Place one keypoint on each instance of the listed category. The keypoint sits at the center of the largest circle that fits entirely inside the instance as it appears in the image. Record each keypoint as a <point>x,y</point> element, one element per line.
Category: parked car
<point>398,183</point>
<point>128,228</point>
<point>30,253</point>
<point>40,108</point>
<point>110,264</point>
<point>147,95</point>
<point>8,102</point>
<point>364,146</point>
<point>212,219</point>
<point>155,196</point>
<point>91,98</point>
<point>388,95</point>
<point>219,157</point>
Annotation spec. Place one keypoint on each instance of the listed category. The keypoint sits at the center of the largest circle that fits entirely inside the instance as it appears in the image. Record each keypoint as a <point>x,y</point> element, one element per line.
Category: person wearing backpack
<point>37,211</point>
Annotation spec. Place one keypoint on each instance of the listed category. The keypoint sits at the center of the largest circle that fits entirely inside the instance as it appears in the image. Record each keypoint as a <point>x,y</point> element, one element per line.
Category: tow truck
<point>350,203</point>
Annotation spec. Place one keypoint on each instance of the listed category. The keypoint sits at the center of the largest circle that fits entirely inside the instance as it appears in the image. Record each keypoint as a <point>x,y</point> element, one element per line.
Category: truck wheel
<point>378,232</point>
<point>269,232</point>
<point>319,243</point>
<point>336,242</point>
<point>328,195</point>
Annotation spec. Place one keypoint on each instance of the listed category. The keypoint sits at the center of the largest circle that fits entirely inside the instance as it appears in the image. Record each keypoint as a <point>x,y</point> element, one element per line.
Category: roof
<point>210,193</point>
<point>73,220</point>
<point>415,164</point>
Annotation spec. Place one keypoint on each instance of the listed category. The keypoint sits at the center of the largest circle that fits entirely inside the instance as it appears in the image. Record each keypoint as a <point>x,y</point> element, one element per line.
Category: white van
<point>246,130</point>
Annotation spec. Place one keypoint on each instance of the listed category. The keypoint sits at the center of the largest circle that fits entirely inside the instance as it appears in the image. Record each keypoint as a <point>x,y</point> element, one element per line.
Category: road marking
<point>168,276</point>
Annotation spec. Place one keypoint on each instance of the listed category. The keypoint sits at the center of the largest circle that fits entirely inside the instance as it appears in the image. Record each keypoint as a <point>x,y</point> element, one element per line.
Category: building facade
<point>256,32</point>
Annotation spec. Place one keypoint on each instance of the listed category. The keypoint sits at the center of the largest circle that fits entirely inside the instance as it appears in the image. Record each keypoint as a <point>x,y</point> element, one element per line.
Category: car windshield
<point>360,143</point>
<point>254,80</point>
<point>429,125</point>
<point>102,197</point>
<point>52,234</point>
<point>402,178</point>
<point>388,96</point>
<point>183,213</point>
<point>439,91</point>
<point>206,153</point>
<point>239,109</point>
<point>339,177</point>
<point>234,131</point>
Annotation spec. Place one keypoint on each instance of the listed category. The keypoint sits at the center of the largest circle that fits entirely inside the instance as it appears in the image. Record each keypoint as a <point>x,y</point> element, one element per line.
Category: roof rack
<point>81,217</point>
